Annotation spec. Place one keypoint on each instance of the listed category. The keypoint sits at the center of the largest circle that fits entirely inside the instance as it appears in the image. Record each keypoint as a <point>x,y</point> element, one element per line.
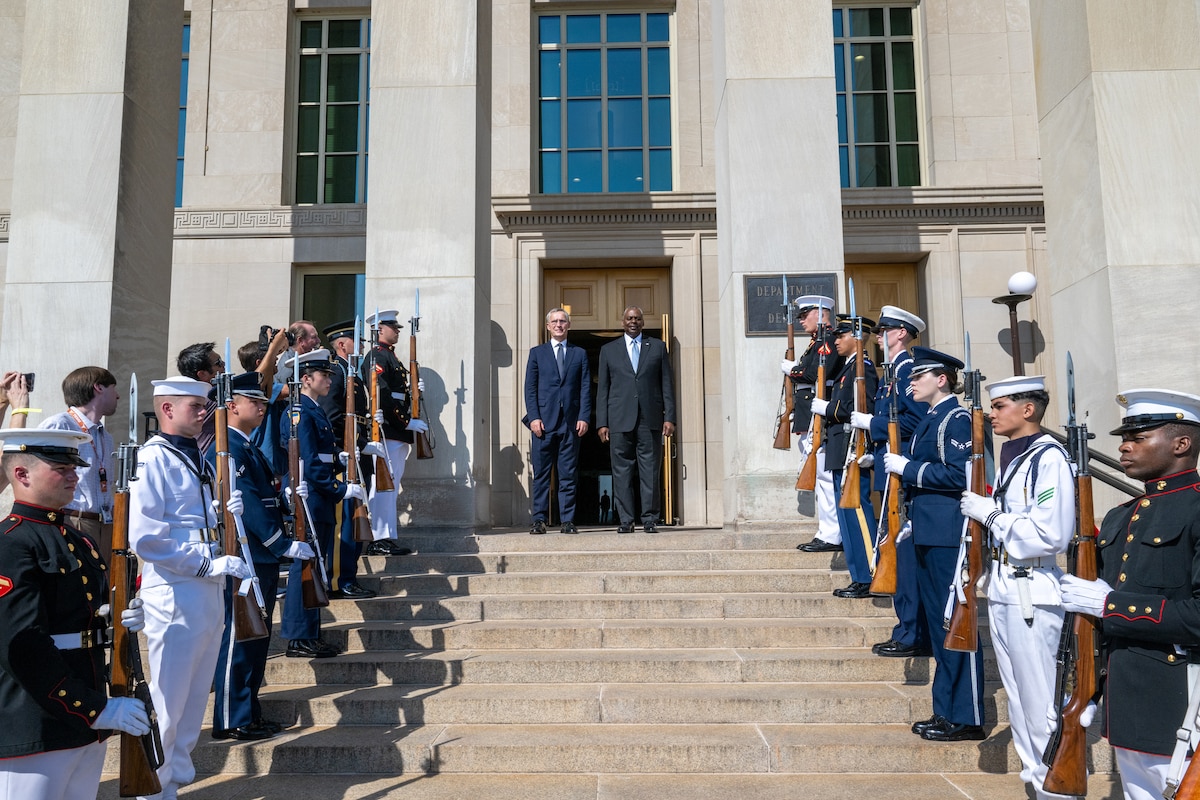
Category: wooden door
<point>879,285</point>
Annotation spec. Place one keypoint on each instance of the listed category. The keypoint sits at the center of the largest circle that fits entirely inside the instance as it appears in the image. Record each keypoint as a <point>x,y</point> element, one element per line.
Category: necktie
<point>559,356</point>
<point>635,352</point>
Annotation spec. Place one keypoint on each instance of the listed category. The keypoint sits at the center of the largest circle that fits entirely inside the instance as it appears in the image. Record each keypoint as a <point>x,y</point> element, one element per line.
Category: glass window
<point>875,73</point>
<point>183,84</point>
<point>604,83</point>
<point>329,298</point>
<point>332,110</point>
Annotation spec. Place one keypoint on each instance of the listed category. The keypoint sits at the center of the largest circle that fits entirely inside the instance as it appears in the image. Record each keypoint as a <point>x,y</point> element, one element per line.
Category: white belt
<point>206,535</point>
<point>325,458</point>
<point>1032,563</point>
<point>399,396</point>
<point>805,386</point>
<point>81,640</point>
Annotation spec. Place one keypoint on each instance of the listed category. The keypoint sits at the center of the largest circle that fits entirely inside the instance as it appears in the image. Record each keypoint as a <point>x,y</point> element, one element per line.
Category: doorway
<point>879,285</point>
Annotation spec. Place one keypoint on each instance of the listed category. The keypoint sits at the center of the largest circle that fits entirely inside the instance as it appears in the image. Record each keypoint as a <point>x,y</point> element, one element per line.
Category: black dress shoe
<point>352,591</point>
<point>267,725</point>
<point>933,722</point>
<point>538,528</point>
<point>875,647</point>
<point>246,733</point>
<point>386,547</point>
<point>855,591</point>
<point>952,732</point>
<point>819,546</point>
<point>897,650</point>
<point>624,529</point>
<point>568,527</point>
<point>651,528</point>
<point>310,648</point>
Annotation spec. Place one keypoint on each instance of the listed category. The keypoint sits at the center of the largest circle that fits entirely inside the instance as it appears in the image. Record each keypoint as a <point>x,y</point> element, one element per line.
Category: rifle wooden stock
<point>806,481</point>
<point>884,580</point>
<point>249,619</point>
<point>783,429</point>
<point>851,493</point>
<point>421,444</point>
<point>962,632</point>
<point>312,585</point>
<point>1189,786</point>
<point>383,475</point>
<point>358,511</point>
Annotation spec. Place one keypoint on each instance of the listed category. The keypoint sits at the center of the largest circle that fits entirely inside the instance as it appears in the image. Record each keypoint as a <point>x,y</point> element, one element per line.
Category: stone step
<point>607,539</point>
<point>601,582</point>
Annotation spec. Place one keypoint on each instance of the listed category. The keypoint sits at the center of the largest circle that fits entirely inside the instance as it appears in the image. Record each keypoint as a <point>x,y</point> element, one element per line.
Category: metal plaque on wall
<point>766,311</point>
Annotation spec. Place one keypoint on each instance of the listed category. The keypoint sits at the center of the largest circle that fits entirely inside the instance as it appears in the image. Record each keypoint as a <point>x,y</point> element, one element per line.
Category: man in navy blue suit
<point>558,406</point>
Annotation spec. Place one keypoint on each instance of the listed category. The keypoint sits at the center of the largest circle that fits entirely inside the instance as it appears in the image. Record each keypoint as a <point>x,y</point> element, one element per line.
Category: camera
<point>29,376</point>
<point>266,333</point>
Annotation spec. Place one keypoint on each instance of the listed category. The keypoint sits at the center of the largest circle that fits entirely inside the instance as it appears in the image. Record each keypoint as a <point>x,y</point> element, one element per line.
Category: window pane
<point>658,70</point>
<point>901,19</point>
<point>549,30</point>
<point>839,67</point>
<point>870,118</point>
<point>624,72</point>
<point>583,123</point>
<point>841,115</point>
<point>341,176</point>
<point>866,21</point>
<point>660,170</point>
<point>178,183</point>
<point>583,28</point>
<point>187,39</point>
<point>551,173</point>
<point>658,28</point>
<point>341,129</point>
<point>310,79</point>
<point>330,298</point>
<point>844,163</point>
<point>342,77</point>
<point>550,72</point>
<point>908,165</point>
<point>906,117</point>
<point>345,32</point>
<point>624,27</point>
<point>583,73</point>
<point>904,71</point>
<point>182,132</point>
<point>306,179</point>
<point>310,34</point>
<point>551,124</point>
<point>183,81</point>
<point>873,166</point>
<point>837,23</point>
<point>583,171</point>
<point>308,131</point>
<point>625,171</point>
<point>625,124</point>
<point>870,68</point>
<point>660,122</point>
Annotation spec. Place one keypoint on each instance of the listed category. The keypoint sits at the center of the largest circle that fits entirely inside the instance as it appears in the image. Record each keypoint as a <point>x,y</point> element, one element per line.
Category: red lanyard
<point>95,449</point>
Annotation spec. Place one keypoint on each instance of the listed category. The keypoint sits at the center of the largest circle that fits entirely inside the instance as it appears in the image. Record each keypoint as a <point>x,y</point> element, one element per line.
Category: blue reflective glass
<point>549,30</point>
<point>583,73</point>
<point>183,81</point>
<point>843,136</point>
<point>658,70</point>
<point>624,27</point>
<point>187,39</point>
<point>660,122</point>
<point>179,183</point>
<point>583,123</point>
<point>182,132</point>
<point>624,72</point>
<point>550,73</point>
<point>837,24</point>
<point>625,123</point>
<point>839,67</point>
<point>658,28</point>
<point>844,163</point>
<point>625,171</point>
<point>551,173</point>
<point>583,171</point>
<point>660,170</point>
<point>551,124</point>
<point>583,28</point>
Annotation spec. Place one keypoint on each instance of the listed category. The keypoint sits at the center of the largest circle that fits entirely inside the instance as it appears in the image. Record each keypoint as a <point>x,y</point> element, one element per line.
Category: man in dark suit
<point>558,406</point>
<point>635,408</point>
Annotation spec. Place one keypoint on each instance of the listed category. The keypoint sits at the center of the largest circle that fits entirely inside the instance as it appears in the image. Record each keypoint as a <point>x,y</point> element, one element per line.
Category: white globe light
<point>1022,283</point>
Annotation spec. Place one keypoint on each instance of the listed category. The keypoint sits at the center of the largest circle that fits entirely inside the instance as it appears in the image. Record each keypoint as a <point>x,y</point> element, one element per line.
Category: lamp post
<point>1020,287</point>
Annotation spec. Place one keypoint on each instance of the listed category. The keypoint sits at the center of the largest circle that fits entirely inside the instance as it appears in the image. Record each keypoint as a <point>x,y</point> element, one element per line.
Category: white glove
<point>235,505</point>
<point>375,449</point>
<point>133,618</point>
<point>819,406</point>
<point>786,366</point>
<point>344,457</point>
<point>301,491</point>
<point>860,420</point>
<point>894,463</point>
<point>125,714</point>
<point>228,565</point>
<point>301,551</point>
<point>354,491</point>
<point>1085,717</point>
<point>1083,596</point>
<point>976,506</point>
<point>378,416</point>
<point>421,385</point>
<point>417,426</point>
<point>867,461</point>
<point>905,532</point>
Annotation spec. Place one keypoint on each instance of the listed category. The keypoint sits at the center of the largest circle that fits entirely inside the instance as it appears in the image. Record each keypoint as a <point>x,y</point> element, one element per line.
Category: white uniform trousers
<point>828,529</point>
<point>184,621</point>
<point>71,774</point>
<point>1143,775</point>
<point>1025,657</point>
<point>382,505</point>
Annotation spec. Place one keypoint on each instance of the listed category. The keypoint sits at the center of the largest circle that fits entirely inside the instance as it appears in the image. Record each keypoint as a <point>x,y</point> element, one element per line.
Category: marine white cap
<point>49,444</point>
<point>382,318</point>
<point>805,301</point>
<point>180,386</point>
<point>1151,408</point>
<point>1016,385</point>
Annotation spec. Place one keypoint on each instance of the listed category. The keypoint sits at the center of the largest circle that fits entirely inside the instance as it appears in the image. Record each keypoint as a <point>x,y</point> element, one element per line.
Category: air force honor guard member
<point>53,584</point>
<point>173,530</point>
<point>1148,557</point>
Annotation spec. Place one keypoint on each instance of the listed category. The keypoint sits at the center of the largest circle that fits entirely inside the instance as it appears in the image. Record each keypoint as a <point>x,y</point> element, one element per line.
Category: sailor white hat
<point>180,386</point>
<point>1016,385</point>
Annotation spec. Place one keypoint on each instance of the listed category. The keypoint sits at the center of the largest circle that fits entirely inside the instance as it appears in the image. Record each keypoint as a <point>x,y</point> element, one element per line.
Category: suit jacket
<point>622,396</point>
<point>558,401</point>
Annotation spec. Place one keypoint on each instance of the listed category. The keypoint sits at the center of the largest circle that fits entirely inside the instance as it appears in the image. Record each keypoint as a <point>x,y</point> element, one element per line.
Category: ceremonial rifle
<point>1066,751</point>
<point>142,755</point>
<point>962,630</point>
<point>857,446</point>
<point>249,619</point>
<point>783,422</point>
<point>421,441</point>
<point>806,481</point>
<point>358,510</point>
<point>383,475</point>
<point>312,584</point>
<point>884,580</point>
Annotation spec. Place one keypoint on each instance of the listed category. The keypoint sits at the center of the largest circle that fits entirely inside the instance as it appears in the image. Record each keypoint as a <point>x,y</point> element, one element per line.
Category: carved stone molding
<point>915,206</point>
<point>278,221</point>
<point>539,212</point>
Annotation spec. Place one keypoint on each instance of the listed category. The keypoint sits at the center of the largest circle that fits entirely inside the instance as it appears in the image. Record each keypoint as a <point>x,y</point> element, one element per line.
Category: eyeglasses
<point>219,364</point>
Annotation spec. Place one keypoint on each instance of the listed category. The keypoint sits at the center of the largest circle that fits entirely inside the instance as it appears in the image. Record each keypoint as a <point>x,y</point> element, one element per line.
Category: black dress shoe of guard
<point>352,591</point>
<point>875,647</point>
<point>925,724</point>
<point>310,648</point>
<point>952,732</point>
<point>538,527</point>
<point>267,725</point>
<point>624,529</point>
<point>386,547</point>
<point>819,546</point>
<point>897,650</point>
<point>855,591</point>
<point>568,527</point>
<point>246,733</point>
<point>651,528</point>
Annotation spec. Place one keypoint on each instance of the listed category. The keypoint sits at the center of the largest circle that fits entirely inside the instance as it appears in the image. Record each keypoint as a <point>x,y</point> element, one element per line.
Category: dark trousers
<point>958,679</point>
<point>855,524</point>
<point>241,665</point>
<point>299,622</point>
<point>342,564</point>
<point>638,450</point>
<point>911,625</point>
<point>559,448</point>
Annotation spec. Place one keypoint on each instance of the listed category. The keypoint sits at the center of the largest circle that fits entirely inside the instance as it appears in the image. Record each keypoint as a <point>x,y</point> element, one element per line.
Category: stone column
<point>1116,96</point>
<point>778,210</point>
<point>89,259</point>
<point>427,195</point>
